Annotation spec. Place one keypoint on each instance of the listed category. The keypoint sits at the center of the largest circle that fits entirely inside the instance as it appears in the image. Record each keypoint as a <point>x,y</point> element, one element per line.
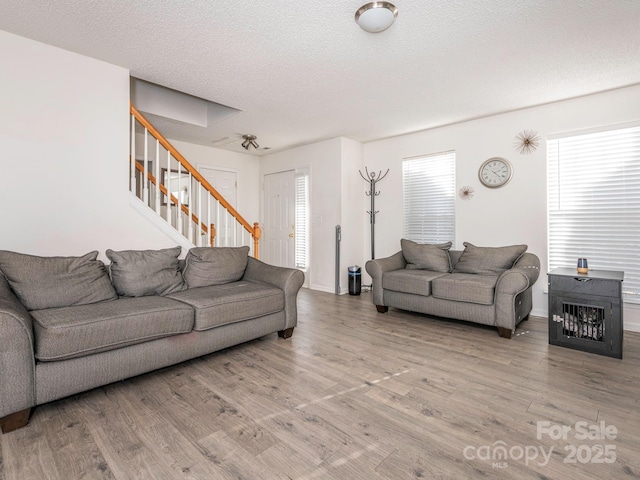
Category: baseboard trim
<point>324,288</point>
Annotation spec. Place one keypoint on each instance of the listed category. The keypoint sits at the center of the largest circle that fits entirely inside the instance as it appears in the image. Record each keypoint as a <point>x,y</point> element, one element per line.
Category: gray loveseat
<point>486,285</point>
<point>70,324</point>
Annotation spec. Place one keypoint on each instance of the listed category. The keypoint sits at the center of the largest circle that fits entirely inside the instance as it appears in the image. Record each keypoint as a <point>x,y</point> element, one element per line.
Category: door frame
<point>201,166</point>
<point>304,170</point>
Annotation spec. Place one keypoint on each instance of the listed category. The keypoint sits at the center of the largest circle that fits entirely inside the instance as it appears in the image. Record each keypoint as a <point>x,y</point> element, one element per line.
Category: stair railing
<point>167,183</point>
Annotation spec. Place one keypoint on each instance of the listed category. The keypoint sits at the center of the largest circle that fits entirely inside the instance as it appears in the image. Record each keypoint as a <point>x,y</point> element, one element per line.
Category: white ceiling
<point>302,71</point>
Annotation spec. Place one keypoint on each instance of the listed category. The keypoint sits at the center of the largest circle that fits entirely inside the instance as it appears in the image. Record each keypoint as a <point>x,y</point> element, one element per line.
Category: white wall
<point>323,159</point>
<point>515,213</point>
<point>64,134</point>
<point>336,198</point>
<point>353,206</point>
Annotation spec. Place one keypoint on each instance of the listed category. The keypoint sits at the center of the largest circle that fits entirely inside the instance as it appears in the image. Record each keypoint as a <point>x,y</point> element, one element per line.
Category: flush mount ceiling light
<point>249,141</point>
<point>375,17</point>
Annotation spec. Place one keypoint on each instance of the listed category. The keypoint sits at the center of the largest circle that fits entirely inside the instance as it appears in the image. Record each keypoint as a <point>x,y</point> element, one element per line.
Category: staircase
<point>173,192</point>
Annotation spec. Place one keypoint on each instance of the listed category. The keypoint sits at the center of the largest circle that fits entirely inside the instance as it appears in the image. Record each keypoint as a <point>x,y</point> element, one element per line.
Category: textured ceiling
<point>302,71</point>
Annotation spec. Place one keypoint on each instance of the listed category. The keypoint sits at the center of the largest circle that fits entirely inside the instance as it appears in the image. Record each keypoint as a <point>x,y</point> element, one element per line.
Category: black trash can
<point>354,280</point>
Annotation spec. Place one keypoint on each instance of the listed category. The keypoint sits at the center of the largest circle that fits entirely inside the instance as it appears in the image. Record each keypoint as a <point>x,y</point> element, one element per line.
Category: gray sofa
<point>486,285</point>
<point>70,324</point>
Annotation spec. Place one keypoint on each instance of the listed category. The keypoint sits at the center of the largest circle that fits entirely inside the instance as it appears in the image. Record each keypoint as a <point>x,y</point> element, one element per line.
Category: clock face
<point>495,172</point>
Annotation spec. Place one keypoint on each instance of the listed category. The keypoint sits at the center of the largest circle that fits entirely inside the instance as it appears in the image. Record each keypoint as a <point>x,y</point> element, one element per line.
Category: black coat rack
<point>373,178</point>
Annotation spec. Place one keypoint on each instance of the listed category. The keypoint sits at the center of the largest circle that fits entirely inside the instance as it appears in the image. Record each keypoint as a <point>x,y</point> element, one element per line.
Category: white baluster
<point>235,232</point>
<point>209,218</point>
<point>157,175</point>
<point>145,183</point>
<point>133,185</point>
<point>218,223</point>
<point>199,228</point>
<point>168,187</point>
<point>179,204</point>
<point>223,227</point>
<point>234,226</point>
<point>190,205</point>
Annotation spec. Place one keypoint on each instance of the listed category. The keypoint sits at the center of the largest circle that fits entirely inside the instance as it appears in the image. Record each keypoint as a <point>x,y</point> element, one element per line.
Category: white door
<point>278,228</point>
<point>226,183</point>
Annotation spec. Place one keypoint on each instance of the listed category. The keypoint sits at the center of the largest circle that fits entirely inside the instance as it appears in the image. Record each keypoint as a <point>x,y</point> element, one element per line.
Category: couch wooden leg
<point>286,333</point>
<point>504,332</point>
<point>15,420</point>
<point>382,308</point>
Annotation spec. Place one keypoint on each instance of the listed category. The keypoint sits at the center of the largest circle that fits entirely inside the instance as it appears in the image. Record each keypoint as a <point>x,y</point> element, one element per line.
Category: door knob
<point>291,235</point>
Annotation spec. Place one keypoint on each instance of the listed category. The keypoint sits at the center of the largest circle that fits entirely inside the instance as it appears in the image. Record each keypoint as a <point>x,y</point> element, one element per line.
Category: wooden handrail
<point>255,230</point>
<point>194,173</point>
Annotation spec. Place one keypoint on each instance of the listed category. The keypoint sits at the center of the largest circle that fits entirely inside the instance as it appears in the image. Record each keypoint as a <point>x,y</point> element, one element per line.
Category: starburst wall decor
<point>466,192</point>
<point>527,142</point>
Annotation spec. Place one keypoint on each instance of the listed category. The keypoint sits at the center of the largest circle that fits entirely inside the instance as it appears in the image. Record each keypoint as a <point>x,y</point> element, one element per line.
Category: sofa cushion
<point>205,266</point>
<point>410,281</point>
<point>488,260</point>
<point>465,287</point>
<point>232,302</point>
<point>434,257</point>
<point>136,273</point>
<point>50,282</point>
<point>70,332</point>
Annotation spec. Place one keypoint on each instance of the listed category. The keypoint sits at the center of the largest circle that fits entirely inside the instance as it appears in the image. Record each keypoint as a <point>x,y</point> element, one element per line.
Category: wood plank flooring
<point>354,394</point>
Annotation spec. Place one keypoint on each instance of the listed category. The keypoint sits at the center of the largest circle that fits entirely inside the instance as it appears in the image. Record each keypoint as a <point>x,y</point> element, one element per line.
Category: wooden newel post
<point>212,235</point>
<point>257,232</point>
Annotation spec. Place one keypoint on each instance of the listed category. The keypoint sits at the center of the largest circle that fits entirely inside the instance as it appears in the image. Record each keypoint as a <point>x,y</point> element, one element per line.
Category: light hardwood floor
<point>354,394</point>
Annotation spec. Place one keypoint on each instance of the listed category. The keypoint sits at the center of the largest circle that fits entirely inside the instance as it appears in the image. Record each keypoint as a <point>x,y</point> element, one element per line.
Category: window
<point>301,221</point>
<point>594,203</point>
<point>429,198</point>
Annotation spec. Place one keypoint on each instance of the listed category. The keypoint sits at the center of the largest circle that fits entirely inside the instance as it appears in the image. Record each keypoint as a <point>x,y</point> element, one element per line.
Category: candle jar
<point>583,266</point>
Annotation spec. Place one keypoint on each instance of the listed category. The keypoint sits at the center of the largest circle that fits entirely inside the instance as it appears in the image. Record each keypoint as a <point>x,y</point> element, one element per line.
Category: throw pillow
<point>138,273</point>
<point>50,282</point>
<point>206,266</point>
<point>488,260</point>
<point>426,256</point>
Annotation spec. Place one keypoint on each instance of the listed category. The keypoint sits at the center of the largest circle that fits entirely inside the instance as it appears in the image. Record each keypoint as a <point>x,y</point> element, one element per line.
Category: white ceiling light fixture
<point>249,141</point>
<point>375,17</point>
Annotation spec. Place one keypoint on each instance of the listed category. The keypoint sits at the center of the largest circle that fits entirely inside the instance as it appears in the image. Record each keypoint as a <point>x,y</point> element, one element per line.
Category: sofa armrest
<point>289,280</point>
<point>512,283</point>
<point>521,276</point>
<point>17,359</point>
<point>376,268</point>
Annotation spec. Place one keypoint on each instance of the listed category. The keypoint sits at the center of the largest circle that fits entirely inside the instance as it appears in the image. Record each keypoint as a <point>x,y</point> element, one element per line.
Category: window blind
<point>301,221</point>
<point>429,198</point>
<point>594,203</point>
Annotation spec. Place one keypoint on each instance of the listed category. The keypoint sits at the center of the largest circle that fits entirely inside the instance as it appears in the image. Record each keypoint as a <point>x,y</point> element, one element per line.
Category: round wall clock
<point>495,172</point>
